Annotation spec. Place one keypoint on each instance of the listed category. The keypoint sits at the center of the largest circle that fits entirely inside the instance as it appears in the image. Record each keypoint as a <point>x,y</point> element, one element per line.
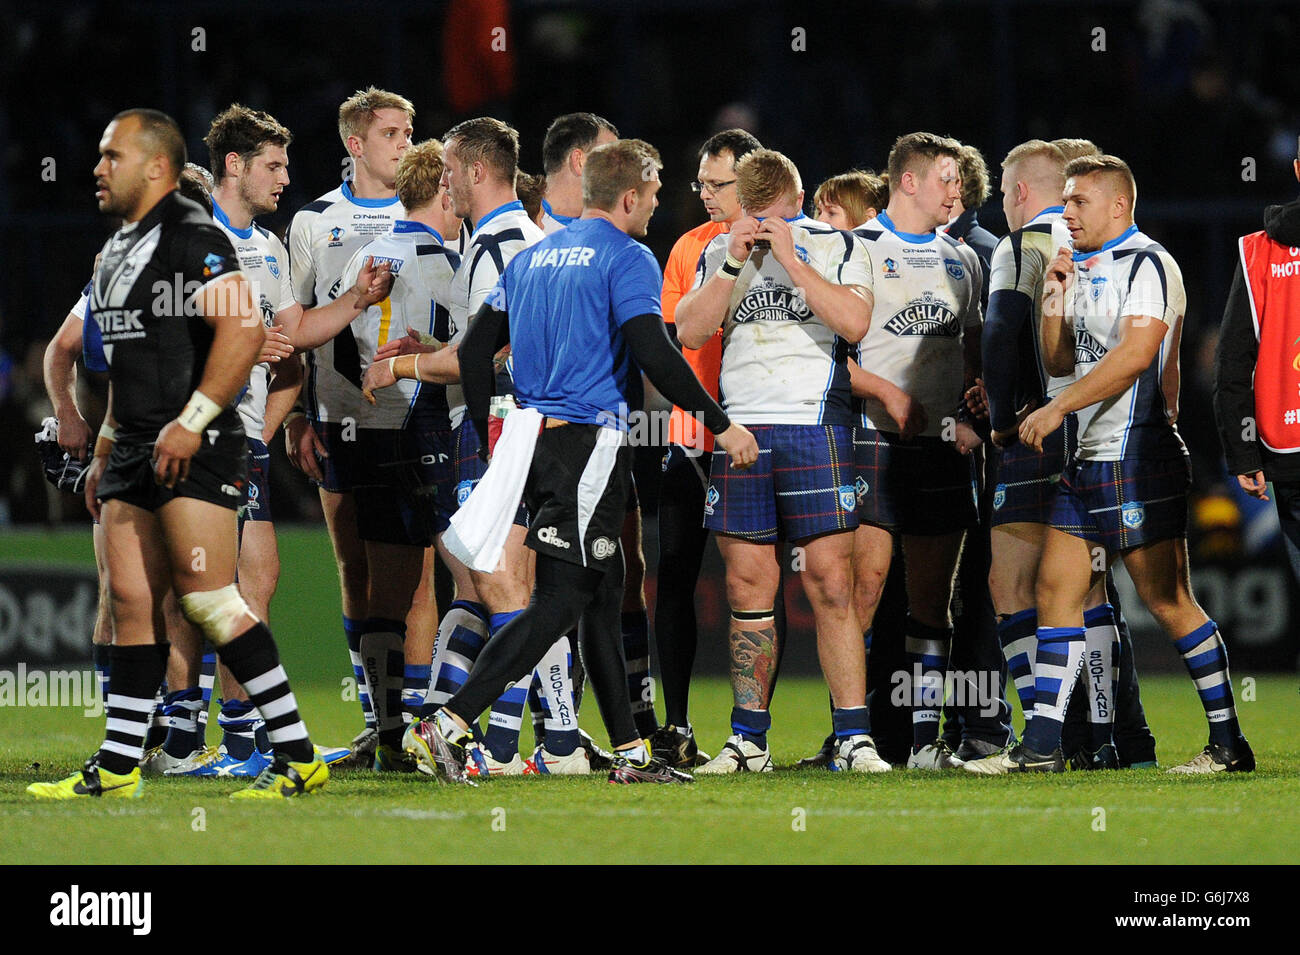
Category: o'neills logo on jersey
<point>925,316</point>
<point>775,303</point>
<point>120,323</point>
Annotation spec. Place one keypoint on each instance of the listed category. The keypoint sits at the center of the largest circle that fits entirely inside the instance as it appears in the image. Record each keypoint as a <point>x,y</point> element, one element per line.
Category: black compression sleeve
<point>667,369</point>
<point>1234,379</point>
<point>1004,324</point>
<point>487,334</point>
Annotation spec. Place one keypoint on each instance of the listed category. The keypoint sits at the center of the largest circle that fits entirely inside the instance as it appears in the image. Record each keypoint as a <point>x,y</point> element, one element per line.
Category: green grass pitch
<point>1141,816</point>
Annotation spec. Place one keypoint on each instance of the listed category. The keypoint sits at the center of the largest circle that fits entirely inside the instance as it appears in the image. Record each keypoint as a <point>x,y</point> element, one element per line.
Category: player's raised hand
<point>776,232</point>
<point>740,446</point>
<point>276,346</point>
<point>172,452</point>
<point>741,238</point>
<point>1041,423</point>
<point>1062,267</point>
<point>410,344</point>
<point>373,283</point>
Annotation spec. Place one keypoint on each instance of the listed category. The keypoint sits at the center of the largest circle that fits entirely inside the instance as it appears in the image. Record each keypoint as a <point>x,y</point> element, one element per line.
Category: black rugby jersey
<point>143,298</point>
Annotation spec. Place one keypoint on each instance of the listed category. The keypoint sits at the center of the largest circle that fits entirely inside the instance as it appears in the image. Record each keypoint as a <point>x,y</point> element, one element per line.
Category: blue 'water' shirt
<point>568,298</point>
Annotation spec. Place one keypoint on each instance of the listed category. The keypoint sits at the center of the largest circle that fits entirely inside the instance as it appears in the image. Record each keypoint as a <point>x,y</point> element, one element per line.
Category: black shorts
<point>257,502</point>
<point>218,474</point>
<point>577,493</point>
<point>924,486</point>
<point>402,485</point>
<point>339,469</point>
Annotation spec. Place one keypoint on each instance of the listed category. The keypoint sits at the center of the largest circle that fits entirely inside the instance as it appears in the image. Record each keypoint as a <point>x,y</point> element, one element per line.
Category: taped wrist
<point>404,366</point>
<point>198,413</point>
<point>104,443</point>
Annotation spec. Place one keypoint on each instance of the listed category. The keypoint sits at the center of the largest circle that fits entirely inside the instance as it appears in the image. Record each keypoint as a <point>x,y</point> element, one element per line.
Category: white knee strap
<point>218,613</point>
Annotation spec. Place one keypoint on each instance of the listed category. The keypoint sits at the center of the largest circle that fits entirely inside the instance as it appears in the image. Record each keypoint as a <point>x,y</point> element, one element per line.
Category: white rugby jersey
<point>552,221</point>
<point>322,238</point>
<point>422,269</point>
<point>1129,276</point>
<point>497,238</point>
<point>927,299</point>
<point>780,364</point>
<point>1020,265</point>
<point>265,263</point>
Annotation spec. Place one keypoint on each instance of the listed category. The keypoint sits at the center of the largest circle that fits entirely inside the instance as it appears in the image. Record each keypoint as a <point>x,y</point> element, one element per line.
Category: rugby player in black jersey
<point>181,334</point>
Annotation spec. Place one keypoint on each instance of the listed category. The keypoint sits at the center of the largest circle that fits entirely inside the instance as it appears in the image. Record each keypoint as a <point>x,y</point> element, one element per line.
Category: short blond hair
<point>357,112</point>
<point>1074,148</point>
<point>614,168</point>
<point>419,174</point>
<point>855,191</point>
<point>766,176</point>
<point>1039,162</point>
<point>1114,169</point>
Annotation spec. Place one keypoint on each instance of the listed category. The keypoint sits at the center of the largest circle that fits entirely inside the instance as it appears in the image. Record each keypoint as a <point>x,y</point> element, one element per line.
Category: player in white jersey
<point>401,483</point>
<point>375,126</point>
<point>924,339</point>
<point>564,152</point>
<point>1112,315</point>
<point>793,294</point>
<point>249,150</point>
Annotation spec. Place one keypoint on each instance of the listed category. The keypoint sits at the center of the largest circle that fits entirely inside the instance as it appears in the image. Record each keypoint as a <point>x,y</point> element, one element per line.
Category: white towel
<point>478,531</point>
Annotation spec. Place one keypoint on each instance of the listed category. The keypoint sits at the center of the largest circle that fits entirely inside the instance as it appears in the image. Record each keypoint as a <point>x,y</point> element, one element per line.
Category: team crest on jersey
<point>891,269</point>
<point>463,490</point>
<point>711,499</point>
<point>954,269</point>
<point>848,497</point>
<point>1096,285</point>
<point>772,303</point>
<point>273,266</point>
<point>999,497</point>
<point>801,252</point>
<point>213,264</point>
<point>1133,514</point>
<point>860,489</point>
<point>927,316</point>
<point>336,237</point>
<point>1086,348</point>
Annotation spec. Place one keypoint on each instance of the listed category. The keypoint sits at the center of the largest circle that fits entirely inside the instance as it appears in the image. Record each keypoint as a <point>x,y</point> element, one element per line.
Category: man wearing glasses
<point>682,534</point>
